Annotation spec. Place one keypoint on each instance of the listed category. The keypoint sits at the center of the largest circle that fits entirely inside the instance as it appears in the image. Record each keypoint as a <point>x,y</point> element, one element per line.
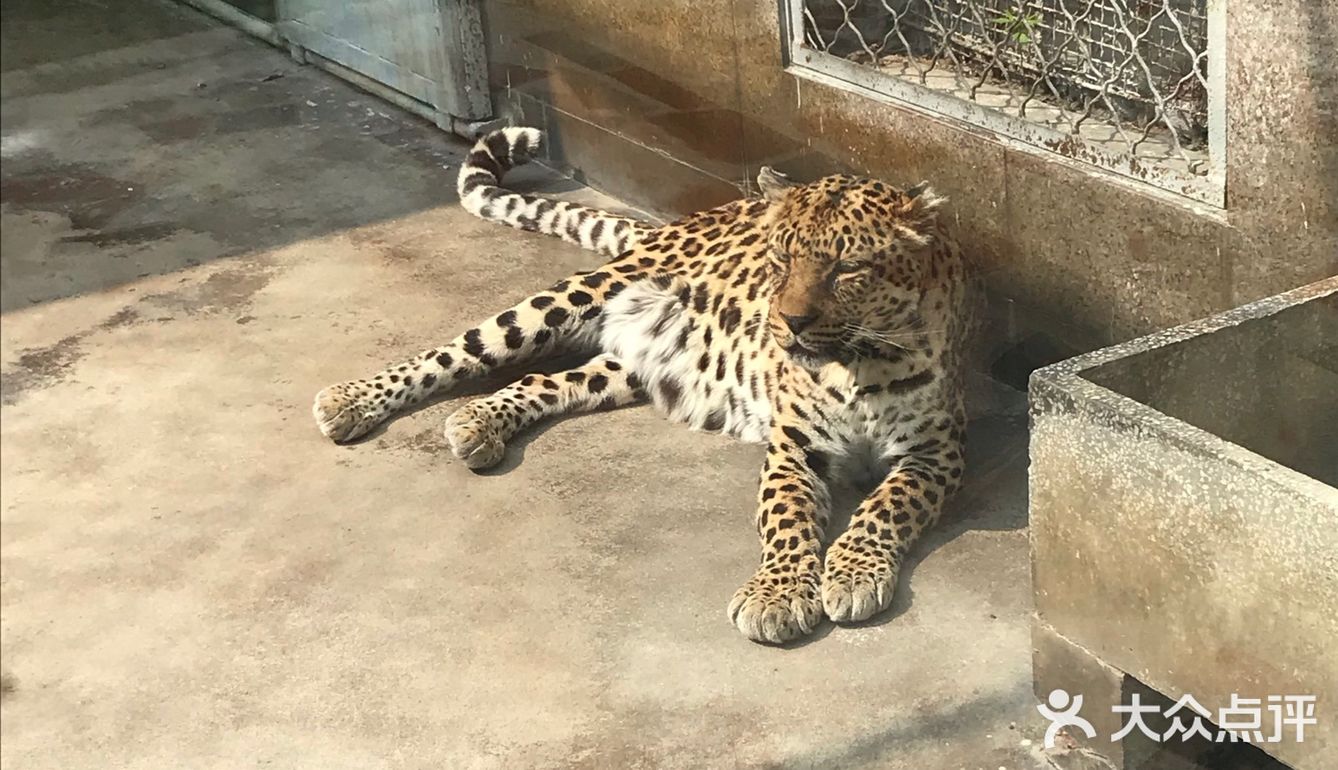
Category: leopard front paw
<point>858,579</point>
<point>348,410</point>
<point>778,604</point>
<point>474,438</point>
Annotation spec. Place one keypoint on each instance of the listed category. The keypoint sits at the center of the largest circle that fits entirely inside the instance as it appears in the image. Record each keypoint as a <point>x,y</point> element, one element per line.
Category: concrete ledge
<point>1182,517</point>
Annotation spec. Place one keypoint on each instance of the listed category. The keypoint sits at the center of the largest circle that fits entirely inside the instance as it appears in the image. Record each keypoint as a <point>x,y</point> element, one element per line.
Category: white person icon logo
<point>1063,712</point>
<point>1243,720</point>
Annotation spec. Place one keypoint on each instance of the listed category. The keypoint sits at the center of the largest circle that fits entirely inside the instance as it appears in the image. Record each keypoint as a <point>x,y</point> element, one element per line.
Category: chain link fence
<point>1127,77</point>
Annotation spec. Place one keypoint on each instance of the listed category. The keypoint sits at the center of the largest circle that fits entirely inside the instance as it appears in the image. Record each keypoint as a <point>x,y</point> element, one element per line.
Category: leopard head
<point>849,260</point>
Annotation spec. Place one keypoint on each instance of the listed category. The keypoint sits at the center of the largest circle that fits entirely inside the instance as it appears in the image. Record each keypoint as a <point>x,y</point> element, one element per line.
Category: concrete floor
<point>197,235</point>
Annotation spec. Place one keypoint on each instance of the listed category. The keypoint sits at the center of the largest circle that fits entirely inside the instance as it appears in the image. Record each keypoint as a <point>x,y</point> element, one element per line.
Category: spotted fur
<point>823,319</point>
<point>499,152</point>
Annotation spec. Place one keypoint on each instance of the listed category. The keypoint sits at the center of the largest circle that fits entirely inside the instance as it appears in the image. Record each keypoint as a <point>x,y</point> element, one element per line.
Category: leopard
<point>823,319</point>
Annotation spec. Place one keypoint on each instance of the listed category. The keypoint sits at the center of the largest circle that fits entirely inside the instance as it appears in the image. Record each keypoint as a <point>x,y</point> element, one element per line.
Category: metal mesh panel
<point>1129,76</point>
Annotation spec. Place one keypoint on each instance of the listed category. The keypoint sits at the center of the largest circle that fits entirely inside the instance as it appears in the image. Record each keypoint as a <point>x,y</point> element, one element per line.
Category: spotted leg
<point>479,430</point>
<point>782,599</point>
<point>562,319</point>
<point>861,568</point>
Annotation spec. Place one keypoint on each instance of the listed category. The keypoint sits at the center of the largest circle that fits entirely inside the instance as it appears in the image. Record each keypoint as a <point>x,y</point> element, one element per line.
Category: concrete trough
<point>1184,520</point>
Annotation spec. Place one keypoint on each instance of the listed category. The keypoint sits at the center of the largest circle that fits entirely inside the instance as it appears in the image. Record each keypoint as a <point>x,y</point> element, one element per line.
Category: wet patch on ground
<point>429,441</point>
<point>38,368</point>
<point>124,236</point>
<point>267,116</point>
<point>165,123</point>
<point>227,290</point>
<point>392,246</point>
<point>126,316</point>
<point>87,197</point>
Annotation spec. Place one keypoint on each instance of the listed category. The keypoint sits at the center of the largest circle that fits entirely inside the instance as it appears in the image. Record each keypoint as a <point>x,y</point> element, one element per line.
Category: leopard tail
<point>482,195</point>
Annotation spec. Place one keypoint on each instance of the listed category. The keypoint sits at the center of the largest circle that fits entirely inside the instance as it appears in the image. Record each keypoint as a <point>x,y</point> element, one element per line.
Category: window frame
<point>1208,188</point>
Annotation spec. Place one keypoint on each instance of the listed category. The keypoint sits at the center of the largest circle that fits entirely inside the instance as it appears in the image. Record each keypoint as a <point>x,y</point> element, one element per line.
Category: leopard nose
<point>797,323</point>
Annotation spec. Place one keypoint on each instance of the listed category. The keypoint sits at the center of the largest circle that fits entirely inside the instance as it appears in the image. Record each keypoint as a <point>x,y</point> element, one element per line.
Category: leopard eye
<point>780,256</point>
<point>850,266</point>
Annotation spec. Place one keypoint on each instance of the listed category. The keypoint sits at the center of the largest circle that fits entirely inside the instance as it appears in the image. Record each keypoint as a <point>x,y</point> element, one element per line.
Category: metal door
<point>429,50</point>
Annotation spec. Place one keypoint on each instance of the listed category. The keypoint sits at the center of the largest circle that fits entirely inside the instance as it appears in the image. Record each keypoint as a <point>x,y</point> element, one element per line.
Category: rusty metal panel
<point>429,50</point>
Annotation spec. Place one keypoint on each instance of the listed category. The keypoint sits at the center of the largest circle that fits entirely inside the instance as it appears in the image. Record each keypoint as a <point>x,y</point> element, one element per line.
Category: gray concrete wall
<point>672,103</point>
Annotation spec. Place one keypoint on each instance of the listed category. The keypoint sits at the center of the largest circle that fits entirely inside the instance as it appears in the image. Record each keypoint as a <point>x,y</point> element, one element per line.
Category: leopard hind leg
<point>563,319</point>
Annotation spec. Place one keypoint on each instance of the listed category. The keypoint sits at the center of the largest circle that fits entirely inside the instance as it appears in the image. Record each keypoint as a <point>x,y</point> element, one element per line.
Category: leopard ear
<point>920,203</point>
<point>773,183</point>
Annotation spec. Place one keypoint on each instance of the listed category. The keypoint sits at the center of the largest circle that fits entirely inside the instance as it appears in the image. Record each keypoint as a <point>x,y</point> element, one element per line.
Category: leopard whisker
<point>891,338</point>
